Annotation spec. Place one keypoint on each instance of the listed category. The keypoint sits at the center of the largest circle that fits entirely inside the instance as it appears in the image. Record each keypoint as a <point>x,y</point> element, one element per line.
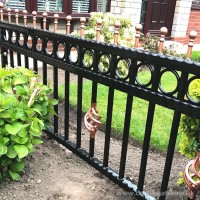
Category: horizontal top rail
<point>134,57</point>
<point>172,63</point>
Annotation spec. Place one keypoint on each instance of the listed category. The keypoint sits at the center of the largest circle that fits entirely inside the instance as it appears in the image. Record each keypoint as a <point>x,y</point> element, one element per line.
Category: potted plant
<point>25,110</point>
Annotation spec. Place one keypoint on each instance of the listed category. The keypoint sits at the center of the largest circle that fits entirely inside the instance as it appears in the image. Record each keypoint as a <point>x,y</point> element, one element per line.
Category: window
<point>76,8</point>
<point>14,4</point>
<point>102,6</point>
<point>80,6</point>
<point>50,5</point>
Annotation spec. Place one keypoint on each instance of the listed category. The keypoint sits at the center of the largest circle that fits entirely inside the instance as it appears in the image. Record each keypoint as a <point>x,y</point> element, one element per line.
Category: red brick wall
<point>193,24</point>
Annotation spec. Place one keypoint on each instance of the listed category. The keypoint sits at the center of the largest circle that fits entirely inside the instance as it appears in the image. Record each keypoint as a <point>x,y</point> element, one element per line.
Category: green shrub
<point>107,29</point>
<point>151,43</point>
<point>25,109</point>
<point>190,128</point>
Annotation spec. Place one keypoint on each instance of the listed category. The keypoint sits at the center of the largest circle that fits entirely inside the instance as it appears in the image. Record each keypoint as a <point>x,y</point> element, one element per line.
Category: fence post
<point>25,17</point>
<point>163,33</point>
<point>44,20</point>
<point>1,11</point>
<point>116,31</point>
<point>9,15</point>
<point>98,29</point>
<point>16,16</point>
<point>34,13</point>
<point>4,58</point>
<point>56,16</point>
<point>138,29</point>
<point>192,36</point>
<point>68,25</point>
<point>82,20</point>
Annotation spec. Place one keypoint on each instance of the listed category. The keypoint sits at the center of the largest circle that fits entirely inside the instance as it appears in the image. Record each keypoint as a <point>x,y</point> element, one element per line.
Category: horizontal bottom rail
<point>98,165</point>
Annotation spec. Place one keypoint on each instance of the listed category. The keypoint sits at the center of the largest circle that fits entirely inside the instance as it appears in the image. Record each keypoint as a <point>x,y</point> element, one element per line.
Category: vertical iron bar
<point>173,137</point>
<point>44,64</point>
<point>170,154</point>
<point>79,102</point>
<point>44,73</point>
<point>11,58</point>
<point>94,92</point>
<point>4,51</point>
<point>79,111</point>
<point>55,91</point>
<point>19,59</point>
<point>18,54</point>
<point>4,57</point>
<point>67,91</point>
<point>10,38</point>
<point>108,126</point>
<point>146,143</point>
<point>148,129</point>
<point>91,150</point>
<point>109,114</point>
<point>35,63</point>
<point>93,100</point>
<point>129,103</point>
<point>26,62</point>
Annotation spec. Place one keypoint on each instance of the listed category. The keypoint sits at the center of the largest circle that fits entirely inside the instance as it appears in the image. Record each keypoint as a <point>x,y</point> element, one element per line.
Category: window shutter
<point>50,5</point>
<point>80,6</point>
<point>16,4</point>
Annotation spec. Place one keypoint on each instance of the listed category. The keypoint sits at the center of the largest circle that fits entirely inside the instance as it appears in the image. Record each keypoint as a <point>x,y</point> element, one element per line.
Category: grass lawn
<point>162,119</point>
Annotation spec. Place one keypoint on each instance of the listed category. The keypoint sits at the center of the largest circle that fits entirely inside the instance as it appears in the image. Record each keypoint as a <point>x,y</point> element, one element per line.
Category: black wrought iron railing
<point>19,42</point>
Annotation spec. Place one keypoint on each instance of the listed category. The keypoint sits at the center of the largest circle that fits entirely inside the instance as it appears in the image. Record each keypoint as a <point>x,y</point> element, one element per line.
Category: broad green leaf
<point>14,175</point>
<point>5,161</point>
<point>18,139</point>
<point>36,141</point>
<point>38,111</point>
<point>8,89</point>
<point>22,150</point>
<point>2,122</point>
<point>13,129</point>
<point>27,72</point>
<point>37,125</point>
<point>19,114</point>
<point>22,133</point>
<point>11,152</point>
<point>2,109</point>
<point>19,80</point>
<point>20,90</point>
<point>17,166</point>
<point>18,159</point>
<point>5,140</point>
<point>31,148</point>
<point>35,133</point>
<point>3,149</point>
<point>54,102</point>
<point>4,73</point>
<point>5,115</point>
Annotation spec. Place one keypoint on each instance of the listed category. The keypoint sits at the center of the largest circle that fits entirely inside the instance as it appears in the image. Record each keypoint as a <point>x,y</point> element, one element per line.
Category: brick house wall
<point>187,16</point>
<point>194,21</point>
<point>129,8</point>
